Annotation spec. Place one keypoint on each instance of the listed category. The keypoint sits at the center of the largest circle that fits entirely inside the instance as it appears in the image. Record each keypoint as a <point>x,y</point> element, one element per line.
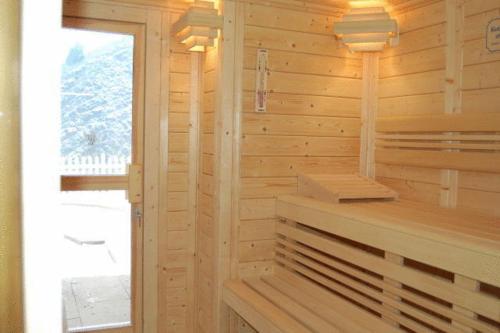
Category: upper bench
<point>375,267</point>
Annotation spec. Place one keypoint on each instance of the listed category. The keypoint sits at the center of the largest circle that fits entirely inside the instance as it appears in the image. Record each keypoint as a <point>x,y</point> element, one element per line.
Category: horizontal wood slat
<point>467,122</point>
<point>486,162</point>
<point>93,183</point>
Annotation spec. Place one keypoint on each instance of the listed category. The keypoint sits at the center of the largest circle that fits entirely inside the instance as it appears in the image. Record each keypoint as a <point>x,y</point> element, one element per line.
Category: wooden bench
<point>375,267</point>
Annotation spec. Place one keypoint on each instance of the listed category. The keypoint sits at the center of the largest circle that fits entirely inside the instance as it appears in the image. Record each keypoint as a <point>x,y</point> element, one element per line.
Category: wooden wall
<point>312,123</point>
<point>480,93</point>
<point>442,67</point>
<point>411,82</point>
<point>176,258</point>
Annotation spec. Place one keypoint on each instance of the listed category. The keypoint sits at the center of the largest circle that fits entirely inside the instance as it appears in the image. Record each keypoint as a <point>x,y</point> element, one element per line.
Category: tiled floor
<point>94,301</point>
<point>96,253</point>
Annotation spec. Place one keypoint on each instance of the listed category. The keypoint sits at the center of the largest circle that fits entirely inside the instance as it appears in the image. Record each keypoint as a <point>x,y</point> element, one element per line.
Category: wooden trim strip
<point>468,161</point>
<point>440,137</point>
<point>94,183</point>
<point>476,122</point>
<point>439,145</point>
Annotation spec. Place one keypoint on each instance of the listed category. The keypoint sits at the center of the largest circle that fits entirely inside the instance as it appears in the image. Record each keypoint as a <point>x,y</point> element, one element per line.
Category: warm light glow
<point>366,47</point>
<point>197,48</point>
<point>367,3</point>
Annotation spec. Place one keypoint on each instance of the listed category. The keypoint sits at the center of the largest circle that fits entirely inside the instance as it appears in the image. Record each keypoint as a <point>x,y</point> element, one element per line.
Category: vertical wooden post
<point>10,204</point>
<point>238,110</point>
<point>163,182</point>
<point>469,284</point>
<point>152,167</point>
<point>369,104</point>
<point>453,88</point>
<point>399,260</point>
<point>223,161</point>
<point>193,173</point>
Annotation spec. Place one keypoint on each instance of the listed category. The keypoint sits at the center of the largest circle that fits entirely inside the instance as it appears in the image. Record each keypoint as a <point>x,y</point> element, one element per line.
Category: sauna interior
<point>297,165</point>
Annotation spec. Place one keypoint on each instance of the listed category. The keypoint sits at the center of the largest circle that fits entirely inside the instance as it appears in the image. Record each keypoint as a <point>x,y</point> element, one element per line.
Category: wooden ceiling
<point>327,5</point>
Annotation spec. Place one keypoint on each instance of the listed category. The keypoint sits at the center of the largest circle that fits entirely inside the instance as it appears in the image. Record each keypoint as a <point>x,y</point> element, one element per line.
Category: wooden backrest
<point>406,293</point>
<point>457,141</point>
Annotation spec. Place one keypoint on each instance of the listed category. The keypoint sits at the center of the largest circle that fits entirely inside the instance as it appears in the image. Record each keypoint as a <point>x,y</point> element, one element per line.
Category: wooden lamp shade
<point>198,26</point>
<point>367,29</point>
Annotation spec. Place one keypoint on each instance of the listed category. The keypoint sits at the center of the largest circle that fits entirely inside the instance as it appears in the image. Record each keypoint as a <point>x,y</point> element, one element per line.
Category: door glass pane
<point>96,259</point>
<point>96,102</point>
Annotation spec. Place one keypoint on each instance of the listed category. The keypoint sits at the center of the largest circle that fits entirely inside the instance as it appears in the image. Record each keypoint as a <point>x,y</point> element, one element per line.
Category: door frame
<point>150,21</point>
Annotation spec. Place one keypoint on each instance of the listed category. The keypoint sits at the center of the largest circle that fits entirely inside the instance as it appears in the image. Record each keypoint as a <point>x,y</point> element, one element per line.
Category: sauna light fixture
<point>367,29</point>
<point>198,27</point>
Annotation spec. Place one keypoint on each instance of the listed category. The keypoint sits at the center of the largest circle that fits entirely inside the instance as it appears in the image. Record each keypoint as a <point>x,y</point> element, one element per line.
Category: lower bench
<point>371,281</point>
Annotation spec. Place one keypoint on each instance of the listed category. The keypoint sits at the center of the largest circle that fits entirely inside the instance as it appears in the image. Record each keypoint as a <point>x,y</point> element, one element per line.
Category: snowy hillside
<point>96,100</point>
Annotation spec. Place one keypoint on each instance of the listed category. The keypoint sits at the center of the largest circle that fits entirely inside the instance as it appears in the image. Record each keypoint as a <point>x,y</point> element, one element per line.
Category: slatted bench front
<point>382,267</point>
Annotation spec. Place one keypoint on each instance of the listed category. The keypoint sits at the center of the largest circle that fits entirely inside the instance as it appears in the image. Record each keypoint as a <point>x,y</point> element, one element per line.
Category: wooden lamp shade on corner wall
<point>367,27</point>
<point>198,26</point>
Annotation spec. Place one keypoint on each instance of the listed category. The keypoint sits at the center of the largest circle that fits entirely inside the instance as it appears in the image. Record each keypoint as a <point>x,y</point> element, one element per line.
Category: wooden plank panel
<point>256,250</point>
<point>295,42</point>
<point>177,182</point>
<point>178,142</point>
<point>257,230</point>
<point>291,166</point>
<point>255,268</point>
<point>178,102</point>
<point>177,201</point>
<point>413,190</point>
<point>475,52</point>
<point>487,162</point>
<point>483,100</point>
<point>257,209</point>
<point>263,16</point>
<point>314,126</point>
<point>178,162</point>
<point>421,61</point>
<point>178,122</point>
<point>267,187</point>
<point>481,76</point>
<point>479,201</point>
<point>180,82</point>
<point>405,172</point>
<point>484,122</point>
<point>417,40</point>
<point>283,61</point>
<point>177,240</point>
<point>259,145</point>
<point>180,62</point>
<point>478,6</point>
<point>307,84</point>
<point>422,17</point>
<point>411,105</point>
<point>475,25</point>
<point>177,220</point>
<point>412,84</point>
<point>479,181</point>
<point>293,104</point>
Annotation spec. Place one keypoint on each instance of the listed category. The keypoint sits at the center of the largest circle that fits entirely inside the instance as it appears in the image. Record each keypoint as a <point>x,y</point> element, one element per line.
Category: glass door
<point>101,174</point>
